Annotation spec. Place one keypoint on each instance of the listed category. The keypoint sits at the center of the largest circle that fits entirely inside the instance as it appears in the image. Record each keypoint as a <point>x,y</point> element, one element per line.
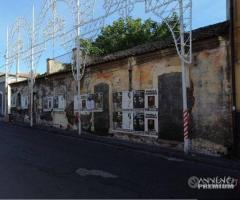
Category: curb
<point>220,162</point>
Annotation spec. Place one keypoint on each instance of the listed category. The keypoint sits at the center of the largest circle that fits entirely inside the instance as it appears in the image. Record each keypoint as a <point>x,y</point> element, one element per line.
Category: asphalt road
<point>37,164</point>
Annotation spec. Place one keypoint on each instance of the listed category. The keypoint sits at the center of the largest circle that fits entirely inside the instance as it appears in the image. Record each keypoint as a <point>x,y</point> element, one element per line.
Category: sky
<point>205,12</point>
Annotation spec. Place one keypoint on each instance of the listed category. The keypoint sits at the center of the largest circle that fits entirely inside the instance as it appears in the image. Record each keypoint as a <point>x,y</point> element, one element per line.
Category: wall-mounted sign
<point>13,100</point>
<point>47,104</point>
<point>117,120</point>
<point>127,100</point>
<point>136,111</point>
<point>24,102</point>
<point>89,102</point>
<point>151,122</point>
<point>139,122</point>
<point>98,102</point>
<point>151,99</point>
<point>138,99</point>
<point>59,103</point>
<point>117,100</point>
<point>127,120</point>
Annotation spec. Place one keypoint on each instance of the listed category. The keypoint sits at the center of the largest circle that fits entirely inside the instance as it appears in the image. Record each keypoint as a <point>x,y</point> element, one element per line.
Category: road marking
<point>103,174</point>
<point>175,159</point>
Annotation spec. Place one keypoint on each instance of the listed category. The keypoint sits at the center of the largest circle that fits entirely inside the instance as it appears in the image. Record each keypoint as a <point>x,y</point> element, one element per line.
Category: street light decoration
<point>19,43</point>
<point>182,9</point>
<point>86,26</point>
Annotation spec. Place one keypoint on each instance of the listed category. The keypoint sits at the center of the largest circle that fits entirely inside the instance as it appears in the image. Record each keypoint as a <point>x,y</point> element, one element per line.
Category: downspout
<point>232,63</point>
<point>131,63</point>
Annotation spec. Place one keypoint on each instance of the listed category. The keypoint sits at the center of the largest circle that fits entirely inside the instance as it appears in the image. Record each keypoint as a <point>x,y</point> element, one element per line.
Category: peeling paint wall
<point>237,49</point>
<point>209,75</point>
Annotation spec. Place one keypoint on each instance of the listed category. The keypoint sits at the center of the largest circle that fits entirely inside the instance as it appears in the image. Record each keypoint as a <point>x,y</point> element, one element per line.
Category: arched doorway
<point>102,119</point>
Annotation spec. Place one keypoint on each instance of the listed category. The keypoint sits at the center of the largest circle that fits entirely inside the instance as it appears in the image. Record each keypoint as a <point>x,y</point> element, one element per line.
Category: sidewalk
<point>221,162</point>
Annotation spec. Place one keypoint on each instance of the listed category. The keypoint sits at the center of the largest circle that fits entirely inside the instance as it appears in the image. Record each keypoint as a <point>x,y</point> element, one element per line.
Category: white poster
<point>98,102</point>
<point>127,100</point>
<point>14,101</point>
<point>24,102</point>
<point>151,99</point>
<point>127,120</point>
<point>117,120</point>
<point>117,100</point>
<point>83,102</point>
<point>151,122</point>
<point>59,103</point>
<point>47,104</point>
<point>89,102</point>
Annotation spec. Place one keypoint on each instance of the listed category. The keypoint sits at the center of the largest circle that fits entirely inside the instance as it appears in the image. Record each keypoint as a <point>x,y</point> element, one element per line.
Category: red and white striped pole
<point>186,116</point>
<point>186,125</point>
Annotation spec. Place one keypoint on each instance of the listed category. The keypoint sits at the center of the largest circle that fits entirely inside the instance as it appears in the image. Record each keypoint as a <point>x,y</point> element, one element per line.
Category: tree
<point>124,34</point>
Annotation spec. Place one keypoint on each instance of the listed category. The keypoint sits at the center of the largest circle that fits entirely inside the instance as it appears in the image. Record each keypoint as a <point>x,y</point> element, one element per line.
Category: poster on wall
<point>151,99</point>
<point>24,102</point>
<point>151,122</point>
<point>59,103</point>
<point>14,101</point>
<point>47,104</point>
<point>75,103</point>
<point>89,102</point>
<point>127,120</point>
<point>117,100</point>
<point>139,122</point>
<point>117,120</point>
<point>83,103</point>
<point>138,99</point>
<point>98,102</point>
<point>127,100</point>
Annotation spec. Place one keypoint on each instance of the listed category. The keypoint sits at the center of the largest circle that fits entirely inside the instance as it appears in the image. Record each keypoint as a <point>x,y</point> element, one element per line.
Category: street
<point>37,164</point>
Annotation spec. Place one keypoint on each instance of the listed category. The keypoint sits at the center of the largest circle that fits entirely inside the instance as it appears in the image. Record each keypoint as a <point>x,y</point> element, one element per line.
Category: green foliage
<point>90,48</point>
<point>124,34</point>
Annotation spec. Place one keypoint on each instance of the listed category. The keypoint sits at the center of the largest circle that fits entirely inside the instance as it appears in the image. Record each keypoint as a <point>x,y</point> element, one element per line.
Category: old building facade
<point>234,17</point>
<point>5,92</point>
<point>150,77</point>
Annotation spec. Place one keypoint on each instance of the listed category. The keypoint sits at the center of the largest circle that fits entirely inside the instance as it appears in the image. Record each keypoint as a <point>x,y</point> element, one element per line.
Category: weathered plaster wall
<point>212,94</point>
<point>237,49</point>
<point>209,76</point>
